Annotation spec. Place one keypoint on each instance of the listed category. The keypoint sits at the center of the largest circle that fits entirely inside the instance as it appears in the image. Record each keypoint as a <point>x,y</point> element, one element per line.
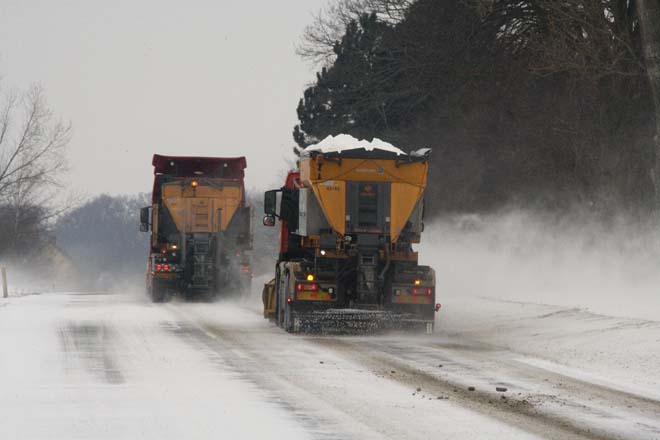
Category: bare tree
<point>330,23</point>
<point>32,144</point>
<point>32,159</point>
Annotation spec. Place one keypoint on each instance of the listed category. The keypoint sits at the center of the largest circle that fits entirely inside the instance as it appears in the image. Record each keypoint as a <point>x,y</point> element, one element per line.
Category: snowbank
<point>618,353</point>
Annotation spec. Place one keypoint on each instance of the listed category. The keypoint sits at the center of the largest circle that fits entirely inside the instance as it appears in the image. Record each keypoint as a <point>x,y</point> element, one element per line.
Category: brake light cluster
<point>416,291</point>
<point>160,267</point>
<point>422,291</point>
<point>313,287</point>
<point>307,287</point>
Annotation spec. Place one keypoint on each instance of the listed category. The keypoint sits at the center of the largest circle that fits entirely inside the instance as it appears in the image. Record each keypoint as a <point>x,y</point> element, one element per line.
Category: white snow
<point>114,366</point>
<point>619,353</point>
<point>345,142</point>
<point>567,295</point>
<point>349,398</point>
<point>608,382</point>
<point>104,367</point>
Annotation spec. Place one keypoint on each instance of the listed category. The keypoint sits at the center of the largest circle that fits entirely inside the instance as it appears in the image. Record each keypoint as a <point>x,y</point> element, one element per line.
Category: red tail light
<point>421,291</point>
<point>159,267</point>
<point>299,287</point>
<point>245,269</point>
<point>437,307</point>
<point>166,268</point>
<point>308,287</point>
<point>289,300</point>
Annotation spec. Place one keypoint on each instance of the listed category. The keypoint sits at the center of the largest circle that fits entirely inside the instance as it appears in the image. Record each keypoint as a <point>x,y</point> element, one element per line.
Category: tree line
<point>103,240</point>
<point>536,103</point>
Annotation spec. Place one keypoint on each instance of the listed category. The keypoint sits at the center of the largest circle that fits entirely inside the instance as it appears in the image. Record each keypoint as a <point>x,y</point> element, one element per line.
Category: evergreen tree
<point>534,102</point>
<point>352,96</point>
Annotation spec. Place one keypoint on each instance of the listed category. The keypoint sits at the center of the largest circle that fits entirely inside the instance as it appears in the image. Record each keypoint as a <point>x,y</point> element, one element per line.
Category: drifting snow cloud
<point>610,268</point>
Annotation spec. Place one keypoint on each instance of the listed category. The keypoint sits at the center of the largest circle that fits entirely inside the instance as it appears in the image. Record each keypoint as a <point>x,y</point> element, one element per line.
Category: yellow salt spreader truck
<point>349,217</point>
<point>201,228</point>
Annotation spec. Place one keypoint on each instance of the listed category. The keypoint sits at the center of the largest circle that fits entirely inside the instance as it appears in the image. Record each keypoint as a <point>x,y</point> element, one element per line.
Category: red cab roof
<point>189,166</point>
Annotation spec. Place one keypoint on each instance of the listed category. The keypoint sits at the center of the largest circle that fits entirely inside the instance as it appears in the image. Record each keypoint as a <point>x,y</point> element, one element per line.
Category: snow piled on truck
<point>346,142</point>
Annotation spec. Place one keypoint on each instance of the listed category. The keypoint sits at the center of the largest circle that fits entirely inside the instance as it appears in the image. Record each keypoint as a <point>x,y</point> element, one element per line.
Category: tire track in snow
<point>550,404</point>
<point>574,409</point>
<point>90,342</point>
<point>222,348</point>
<point>348,396</point>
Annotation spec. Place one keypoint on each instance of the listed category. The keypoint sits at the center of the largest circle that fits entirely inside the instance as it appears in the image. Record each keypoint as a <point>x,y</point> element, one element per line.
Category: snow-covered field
<point>619,353</point>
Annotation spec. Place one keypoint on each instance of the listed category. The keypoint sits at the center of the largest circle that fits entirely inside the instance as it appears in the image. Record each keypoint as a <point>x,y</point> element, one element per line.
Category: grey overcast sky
<point>198,77</point>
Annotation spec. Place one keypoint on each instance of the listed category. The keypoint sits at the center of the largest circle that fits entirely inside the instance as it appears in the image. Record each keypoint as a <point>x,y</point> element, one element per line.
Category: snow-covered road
<point>116,366</point>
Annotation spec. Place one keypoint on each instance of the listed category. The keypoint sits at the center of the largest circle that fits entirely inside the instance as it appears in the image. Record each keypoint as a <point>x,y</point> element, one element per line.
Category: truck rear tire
<point>158,292</point>
<point>157,295</point>
<point>288,323</point>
